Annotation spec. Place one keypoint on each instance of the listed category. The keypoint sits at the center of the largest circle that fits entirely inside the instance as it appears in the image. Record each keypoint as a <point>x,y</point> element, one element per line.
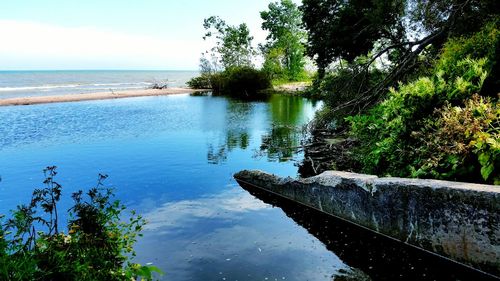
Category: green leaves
<point>284,49</point>
<point>98,245</point>
<point>233,44</point>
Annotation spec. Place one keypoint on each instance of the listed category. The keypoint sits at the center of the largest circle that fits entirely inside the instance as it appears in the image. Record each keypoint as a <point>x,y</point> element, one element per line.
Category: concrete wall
<point>460,221</point>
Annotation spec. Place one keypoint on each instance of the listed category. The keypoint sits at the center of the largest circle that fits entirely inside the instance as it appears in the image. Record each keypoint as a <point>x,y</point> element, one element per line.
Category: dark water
<point>60,82</point>
<point>172,159</point>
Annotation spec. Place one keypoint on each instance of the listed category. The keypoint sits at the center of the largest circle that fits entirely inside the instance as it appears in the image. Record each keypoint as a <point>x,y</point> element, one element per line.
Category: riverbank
<point>292,87</point>
<point>97,96</point>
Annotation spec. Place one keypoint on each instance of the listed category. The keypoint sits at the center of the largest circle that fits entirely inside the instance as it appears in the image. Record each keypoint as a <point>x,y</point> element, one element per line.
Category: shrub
<point>480,45</point>
<point>97,246</point>
<point>463,141</point>
<point>435,126</point>
<point>244,82</point>
<point>200,82</point>
<point>386,132</point>
<point>239,82</point>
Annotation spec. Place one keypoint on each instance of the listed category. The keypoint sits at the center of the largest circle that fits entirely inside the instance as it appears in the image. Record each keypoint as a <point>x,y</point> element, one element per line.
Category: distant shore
<point>96,96</point>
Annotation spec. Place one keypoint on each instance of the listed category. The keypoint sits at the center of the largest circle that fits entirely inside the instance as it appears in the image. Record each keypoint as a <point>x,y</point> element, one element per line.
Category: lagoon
<point>172,159</point>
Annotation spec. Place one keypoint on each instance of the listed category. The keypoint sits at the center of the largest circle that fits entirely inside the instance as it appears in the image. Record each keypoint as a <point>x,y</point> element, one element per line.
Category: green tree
<point>405,35</point>
<point>233,45</point>
<point>284,50</point>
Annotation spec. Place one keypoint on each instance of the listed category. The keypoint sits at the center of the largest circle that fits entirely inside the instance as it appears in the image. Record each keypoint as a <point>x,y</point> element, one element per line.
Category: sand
<point>96,96</point>
<point>293,86</point>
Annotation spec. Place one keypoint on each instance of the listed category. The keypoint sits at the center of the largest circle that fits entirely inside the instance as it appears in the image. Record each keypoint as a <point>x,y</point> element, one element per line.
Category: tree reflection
<point>237,116</point>
<point>283,139</point>
<point>282,120</point>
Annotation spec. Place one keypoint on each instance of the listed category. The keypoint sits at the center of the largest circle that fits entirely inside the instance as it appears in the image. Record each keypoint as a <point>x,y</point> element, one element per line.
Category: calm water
<point>172,159</point>
<point>43,83</point>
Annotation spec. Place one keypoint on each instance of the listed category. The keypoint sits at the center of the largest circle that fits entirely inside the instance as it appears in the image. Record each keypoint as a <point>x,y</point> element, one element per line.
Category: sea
<point>14,84</point>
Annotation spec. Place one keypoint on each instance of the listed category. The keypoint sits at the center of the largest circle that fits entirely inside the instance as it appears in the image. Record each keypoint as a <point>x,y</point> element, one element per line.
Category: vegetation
<point>400,37</point>
<point>414,83</point>
<point>241,82</point>
<point>97,245</point>
<point>227,67</point>
<point>284,49</point>
<point>233,45</point>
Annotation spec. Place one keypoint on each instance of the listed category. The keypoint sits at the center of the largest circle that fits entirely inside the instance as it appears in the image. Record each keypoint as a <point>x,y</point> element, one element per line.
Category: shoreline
<point>96,96</point>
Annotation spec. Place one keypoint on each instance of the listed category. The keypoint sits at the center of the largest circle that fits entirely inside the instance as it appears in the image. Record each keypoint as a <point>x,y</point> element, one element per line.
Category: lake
<point>172,159</point>
<point>22,83</point>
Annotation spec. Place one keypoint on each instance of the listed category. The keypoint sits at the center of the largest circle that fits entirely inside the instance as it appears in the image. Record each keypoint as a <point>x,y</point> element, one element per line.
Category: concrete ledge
<point>460,221</point>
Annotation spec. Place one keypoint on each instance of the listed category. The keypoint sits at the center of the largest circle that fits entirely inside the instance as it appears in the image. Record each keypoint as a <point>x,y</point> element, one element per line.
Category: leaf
<point>487,170</point>
<point>484,158</point>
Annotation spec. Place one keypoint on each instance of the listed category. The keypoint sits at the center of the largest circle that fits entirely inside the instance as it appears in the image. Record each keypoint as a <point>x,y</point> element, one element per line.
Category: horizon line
<point>98,69</point>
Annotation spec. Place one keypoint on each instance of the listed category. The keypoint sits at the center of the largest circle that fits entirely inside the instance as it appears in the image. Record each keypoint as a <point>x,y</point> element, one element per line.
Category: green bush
<point>480,45</point>
<point>200,82</point>
<point>386,131</point>
<point>97,245</point>
<point>409,133</point>
<point>238,82</point>
<point>462,141</point>
<point>244,82</point>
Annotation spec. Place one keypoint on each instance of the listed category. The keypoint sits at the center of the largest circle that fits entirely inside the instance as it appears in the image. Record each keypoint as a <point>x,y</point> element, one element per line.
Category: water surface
<point>172,159</point>
<point>15,84</point>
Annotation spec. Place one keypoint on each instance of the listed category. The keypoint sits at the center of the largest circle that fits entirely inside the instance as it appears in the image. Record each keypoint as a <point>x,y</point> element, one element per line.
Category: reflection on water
<point>232,236</point>
<point>237,135</point>
<point>281,141</point>
<point>172,158</point>
<point>369,255</point>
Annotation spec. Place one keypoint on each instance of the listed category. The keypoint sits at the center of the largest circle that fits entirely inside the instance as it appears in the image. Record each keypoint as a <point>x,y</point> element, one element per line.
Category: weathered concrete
<point>460,221</point>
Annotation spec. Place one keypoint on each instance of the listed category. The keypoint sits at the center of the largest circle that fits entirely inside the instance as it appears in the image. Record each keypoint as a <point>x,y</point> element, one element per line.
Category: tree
<point>397,31</point>
<point>285,43</point>
<point>348,29</point>
<point>233,44</point>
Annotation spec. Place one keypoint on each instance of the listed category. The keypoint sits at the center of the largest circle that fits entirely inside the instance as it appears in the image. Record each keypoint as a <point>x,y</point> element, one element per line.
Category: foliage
<point>284,50</point>
<point>462,141</point>
<point>402,38</point>
<point>241,82</point>
<point>385,132</point>
<point>347,29</point>
<point>482,44</point>
<point>233,44</point>
<point>435,126</point>
<point>97,246</point>
<point>200,82</point>
<point>347,83</point>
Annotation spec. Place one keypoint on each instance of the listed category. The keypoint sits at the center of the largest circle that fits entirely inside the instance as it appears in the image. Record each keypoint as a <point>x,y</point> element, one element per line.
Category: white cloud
<point>36,45</point>
<point>222,206</point>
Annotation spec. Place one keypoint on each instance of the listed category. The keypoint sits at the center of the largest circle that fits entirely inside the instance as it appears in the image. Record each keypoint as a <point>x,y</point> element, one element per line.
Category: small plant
<point>97,245</point>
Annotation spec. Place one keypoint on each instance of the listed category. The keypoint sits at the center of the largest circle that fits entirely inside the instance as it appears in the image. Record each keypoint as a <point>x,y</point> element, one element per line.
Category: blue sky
<point>114,34</point>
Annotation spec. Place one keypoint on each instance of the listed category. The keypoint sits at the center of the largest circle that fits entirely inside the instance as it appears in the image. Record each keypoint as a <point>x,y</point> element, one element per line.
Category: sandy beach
<point>96,96</point>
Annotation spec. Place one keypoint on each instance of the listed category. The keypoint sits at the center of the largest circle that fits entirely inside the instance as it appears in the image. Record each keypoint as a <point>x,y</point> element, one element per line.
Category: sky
<point>114,34</point>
